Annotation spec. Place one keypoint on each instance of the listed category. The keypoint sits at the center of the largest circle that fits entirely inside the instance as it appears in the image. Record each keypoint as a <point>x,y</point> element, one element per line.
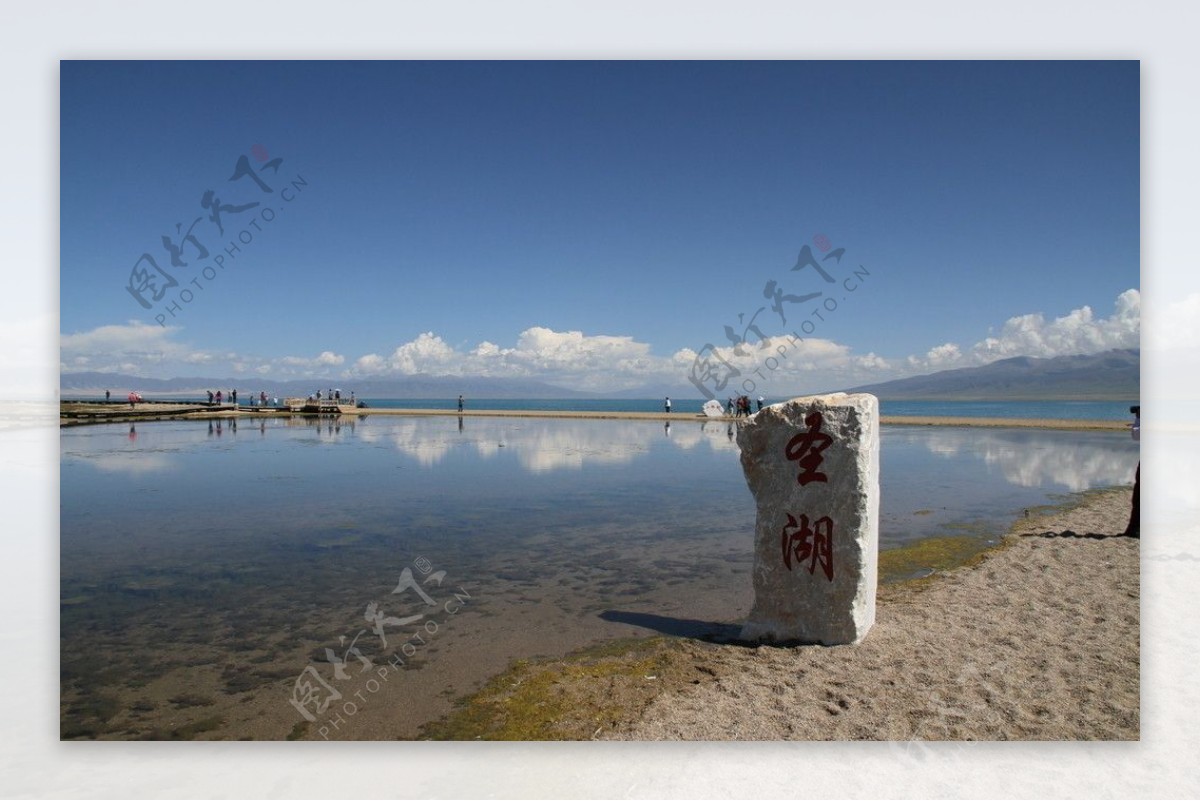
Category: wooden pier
<point>319,406</point>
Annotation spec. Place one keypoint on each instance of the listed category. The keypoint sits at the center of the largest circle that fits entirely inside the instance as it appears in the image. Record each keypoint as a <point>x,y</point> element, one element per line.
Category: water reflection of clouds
<point>717,436</point>
<point>563,445</point>
<point>1041,458</point>
<point>416,438</point>
<point>133,462</point>
<point>542,446</point>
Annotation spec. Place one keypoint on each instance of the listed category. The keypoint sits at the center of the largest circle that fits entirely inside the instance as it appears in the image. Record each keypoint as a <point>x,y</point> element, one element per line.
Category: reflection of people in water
<point>460,427</point>
<point>729,431</point>
<point>1134,529</point>
<point>132,433</point>
<point>667,428</point>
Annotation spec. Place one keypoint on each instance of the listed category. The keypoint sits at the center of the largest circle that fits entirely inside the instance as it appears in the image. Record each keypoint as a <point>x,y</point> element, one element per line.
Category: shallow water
<point>205,565</point>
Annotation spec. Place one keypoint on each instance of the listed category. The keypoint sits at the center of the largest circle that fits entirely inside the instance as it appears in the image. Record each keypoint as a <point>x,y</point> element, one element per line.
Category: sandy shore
<point>1039,640</point>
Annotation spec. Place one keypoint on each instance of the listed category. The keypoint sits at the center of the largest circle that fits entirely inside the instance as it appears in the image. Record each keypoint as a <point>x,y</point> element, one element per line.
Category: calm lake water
<point>206,565</point>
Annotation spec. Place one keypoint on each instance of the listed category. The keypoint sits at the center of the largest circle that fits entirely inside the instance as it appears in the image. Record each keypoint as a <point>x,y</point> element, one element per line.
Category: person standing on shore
<point>760,402</point>
<point>667,405</point>
<point>460,404</point>
<point>107,395</point>
<point>1134,529</point>
<point>729,408</point>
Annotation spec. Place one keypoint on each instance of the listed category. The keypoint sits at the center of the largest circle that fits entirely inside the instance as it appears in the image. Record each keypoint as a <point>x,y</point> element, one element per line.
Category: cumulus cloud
<point>781,366</point>
<point>320,363</point>
<point>133,347</point>
<point>137,348</point>
<point>606,363</point>
<point>1079,331</point>
<point>587,361</point>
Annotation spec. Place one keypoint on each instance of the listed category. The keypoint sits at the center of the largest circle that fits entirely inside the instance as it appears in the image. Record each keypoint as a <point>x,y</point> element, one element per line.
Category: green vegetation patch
<point>928,556</point>
<point>574,698</point>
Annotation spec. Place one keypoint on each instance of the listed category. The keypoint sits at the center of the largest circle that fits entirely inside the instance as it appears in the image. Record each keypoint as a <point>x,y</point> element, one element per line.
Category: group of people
<point>741,406</point>
<point>334,395</point>
<point>219,397</point>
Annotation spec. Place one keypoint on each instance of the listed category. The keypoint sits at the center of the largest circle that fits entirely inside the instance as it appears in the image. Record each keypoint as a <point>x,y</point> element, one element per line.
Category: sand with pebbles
<point>1038,641</point>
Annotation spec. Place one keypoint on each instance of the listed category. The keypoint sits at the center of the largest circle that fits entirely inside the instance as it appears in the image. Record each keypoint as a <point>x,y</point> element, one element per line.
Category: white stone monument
<point>813,466</point>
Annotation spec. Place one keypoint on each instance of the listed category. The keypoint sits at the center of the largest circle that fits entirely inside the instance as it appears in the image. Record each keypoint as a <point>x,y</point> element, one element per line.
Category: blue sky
<point>596,224</point>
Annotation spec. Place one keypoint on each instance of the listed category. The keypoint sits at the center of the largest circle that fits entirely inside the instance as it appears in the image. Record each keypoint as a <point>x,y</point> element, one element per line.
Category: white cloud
<point>938,358</point>
<point>782,367</point>
<point>303,365</point>
<point>133,347</point>
<point>569,358</point>
<point>1078,331</point>
<point>152,350</point>
<point>608,363</point>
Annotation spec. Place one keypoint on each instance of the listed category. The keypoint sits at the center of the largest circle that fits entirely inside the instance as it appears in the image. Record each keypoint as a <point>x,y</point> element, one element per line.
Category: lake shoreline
<point>76,413</point>
<point>1038,639</point>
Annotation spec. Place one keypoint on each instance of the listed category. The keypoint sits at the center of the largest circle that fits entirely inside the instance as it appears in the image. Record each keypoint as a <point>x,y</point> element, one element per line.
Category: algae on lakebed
<point>928,556</point>
<point>574,698</point>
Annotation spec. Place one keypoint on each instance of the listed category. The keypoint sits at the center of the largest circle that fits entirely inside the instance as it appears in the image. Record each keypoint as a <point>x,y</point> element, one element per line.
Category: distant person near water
<point>107,395</point>
<point>1134,529</point>
<point>760,402</point>
<point>667,405</point>
<point>460,404</point>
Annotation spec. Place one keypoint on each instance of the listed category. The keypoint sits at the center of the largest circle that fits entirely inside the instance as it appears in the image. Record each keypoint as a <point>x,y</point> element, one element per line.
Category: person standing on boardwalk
<point>460,404</point>
<point>667,405</point>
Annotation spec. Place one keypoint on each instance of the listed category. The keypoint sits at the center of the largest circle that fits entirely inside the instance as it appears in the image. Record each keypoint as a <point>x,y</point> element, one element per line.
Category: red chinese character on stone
<point>814,544</point>
<point>806,448</point>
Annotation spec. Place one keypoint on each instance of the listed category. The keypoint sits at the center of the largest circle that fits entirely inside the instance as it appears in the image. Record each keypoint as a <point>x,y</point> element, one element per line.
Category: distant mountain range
<point>1112,375</point>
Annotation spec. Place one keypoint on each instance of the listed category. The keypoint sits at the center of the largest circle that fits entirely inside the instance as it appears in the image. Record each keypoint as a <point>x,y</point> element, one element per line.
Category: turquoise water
<point>204,565</point>
<point>1055,410</point>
